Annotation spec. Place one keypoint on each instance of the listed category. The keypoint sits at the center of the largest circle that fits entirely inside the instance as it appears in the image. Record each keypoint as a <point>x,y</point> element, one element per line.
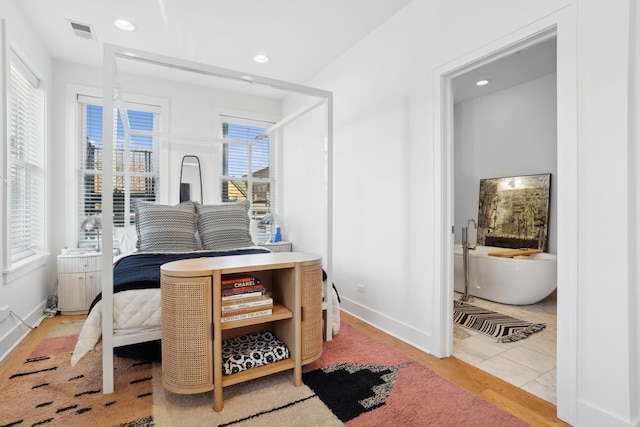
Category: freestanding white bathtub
<point>516,281</point>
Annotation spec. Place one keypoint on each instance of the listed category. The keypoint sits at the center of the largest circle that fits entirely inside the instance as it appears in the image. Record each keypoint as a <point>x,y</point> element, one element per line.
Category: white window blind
<point>26,161</point>
<point>135,163</point>
<point>248,169</point>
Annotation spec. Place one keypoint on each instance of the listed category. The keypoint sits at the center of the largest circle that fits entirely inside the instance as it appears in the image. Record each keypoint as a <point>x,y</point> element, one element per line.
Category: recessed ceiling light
<point>124,25</point>
<point>482,82</point>
<point>261,58</point>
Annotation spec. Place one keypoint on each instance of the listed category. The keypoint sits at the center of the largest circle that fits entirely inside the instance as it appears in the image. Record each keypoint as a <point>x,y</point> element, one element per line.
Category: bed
<point>162,234</point>
<point>301,216</point>
<point>136,303</point>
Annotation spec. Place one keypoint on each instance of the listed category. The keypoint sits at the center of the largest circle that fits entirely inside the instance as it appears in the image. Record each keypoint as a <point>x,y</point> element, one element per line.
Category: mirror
<point>190,180</point>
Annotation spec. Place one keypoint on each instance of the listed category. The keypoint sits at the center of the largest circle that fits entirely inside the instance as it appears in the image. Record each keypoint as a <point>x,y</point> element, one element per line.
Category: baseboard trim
<point>397,329</point>
<point>19,330</point>
<point>590,415</point>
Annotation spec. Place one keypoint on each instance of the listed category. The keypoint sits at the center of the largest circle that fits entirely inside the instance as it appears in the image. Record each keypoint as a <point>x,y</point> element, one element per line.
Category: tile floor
<point>530,363</point>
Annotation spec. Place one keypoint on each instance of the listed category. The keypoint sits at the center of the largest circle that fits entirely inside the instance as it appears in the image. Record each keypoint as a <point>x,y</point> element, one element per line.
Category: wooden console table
<point>192,332</point>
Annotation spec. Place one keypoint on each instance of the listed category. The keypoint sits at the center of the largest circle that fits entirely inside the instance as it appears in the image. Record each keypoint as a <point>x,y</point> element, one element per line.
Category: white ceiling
<point>513,69</point>
<point>301,37</point>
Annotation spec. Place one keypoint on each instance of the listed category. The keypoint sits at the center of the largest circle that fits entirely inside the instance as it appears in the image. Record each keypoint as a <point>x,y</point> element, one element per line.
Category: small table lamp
<point>93,223</point>
<point>273,220</point>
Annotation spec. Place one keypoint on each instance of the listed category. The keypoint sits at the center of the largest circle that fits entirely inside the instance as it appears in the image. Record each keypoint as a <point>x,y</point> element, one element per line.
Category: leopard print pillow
<point>251,350</point>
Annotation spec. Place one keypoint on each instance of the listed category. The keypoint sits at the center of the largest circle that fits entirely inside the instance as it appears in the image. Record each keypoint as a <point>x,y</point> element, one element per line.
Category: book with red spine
<point>246,289</point>
<point>238,277</point>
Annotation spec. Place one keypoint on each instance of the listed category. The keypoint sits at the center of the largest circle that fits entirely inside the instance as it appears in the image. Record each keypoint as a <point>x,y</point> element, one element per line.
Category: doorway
<point>560,25</point>
<point>505,115</point>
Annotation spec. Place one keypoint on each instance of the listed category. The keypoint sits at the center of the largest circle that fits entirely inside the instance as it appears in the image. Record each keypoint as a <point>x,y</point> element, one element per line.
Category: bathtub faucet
<point>465,234</point>
<point>465,255</point>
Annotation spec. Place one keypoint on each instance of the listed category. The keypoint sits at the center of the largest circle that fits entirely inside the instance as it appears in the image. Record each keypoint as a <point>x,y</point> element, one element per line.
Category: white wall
<point>607,280</point>
<point>383,163</point>
<point>511,132</point>
<point>24,291</point>
<point>634,208</point>
<point>303,181</point>
<point>384,203</point>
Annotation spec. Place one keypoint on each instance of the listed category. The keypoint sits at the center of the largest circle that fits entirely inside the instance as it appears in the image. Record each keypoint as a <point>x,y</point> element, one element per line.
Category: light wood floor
<point>27,345</point>
<point>520,403</point>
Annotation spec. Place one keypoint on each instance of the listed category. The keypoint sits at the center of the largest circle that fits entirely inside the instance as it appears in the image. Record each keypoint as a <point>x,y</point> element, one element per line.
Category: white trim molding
<point>560,23</point>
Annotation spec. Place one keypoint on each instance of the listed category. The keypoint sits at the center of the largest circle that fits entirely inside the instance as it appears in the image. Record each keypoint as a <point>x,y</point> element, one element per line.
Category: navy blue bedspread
<point>142,270</point>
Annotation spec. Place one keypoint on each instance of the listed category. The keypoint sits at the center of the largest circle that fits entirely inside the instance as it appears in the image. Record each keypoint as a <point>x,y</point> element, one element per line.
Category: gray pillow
<point>164,228</point>
<point>224,226</point>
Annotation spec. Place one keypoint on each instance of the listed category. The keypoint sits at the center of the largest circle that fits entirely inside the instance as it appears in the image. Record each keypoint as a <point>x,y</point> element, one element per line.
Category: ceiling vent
<point>84,31</point>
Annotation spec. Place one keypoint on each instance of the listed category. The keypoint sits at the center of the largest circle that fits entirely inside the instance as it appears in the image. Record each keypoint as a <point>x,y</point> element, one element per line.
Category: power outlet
<point>4,313</point>
<point>361,288</point>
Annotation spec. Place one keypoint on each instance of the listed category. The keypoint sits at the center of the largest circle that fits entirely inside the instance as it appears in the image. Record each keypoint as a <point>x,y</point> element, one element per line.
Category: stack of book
<point>244,297</point>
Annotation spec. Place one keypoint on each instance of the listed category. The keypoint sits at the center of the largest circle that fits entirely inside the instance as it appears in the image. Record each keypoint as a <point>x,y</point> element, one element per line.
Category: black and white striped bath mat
<point>504,328</point>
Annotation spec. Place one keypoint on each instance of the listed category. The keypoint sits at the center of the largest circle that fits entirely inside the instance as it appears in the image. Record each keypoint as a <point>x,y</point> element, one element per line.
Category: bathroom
<point>507,131</point>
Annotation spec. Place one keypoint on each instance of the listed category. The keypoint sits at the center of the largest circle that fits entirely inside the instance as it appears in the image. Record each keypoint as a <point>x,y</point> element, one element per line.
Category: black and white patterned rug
<point>504,328</point>
<point>351,389</point>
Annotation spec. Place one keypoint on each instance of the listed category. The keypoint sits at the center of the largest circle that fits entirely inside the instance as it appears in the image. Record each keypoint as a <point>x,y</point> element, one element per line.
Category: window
<point>136,163</point>
<point>26,162</point>
<point>248,168</point>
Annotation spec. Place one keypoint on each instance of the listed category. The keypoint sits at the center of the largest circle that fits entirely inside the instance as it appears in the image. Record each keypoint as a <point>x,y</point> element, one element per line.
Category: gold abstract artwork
<point>514,211</point>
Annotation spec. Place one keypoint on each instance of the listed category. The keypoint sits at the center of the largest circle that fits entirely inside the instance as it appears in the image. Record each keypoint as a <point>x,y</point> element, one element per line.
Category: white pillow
<point>127,238</point>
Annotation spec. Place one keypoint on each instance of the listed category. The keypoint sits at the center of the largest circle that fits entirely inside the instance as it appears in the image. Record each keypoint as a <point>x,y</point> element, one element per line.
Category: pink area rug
<point>365,382</point>
<point>358,381</point>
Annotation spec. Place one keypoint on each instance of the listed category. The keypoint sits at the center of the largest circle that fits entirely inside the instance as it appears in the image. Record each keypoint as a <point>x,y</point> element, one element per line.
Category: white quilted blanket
<point>133,311</point>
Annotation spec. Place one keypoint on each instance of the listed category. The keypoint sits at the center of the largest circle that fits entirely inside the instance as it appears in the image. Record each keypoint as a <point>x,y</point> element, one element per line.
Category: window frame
<point>273,179</point>
<point>38,250</point>
<point>125,175</point>
<point>72,168</point>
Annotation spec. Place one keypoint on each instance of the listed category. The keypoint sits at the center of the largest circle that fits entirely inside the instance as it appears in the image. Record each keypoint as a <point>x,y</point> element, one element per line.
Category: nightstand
<point>79,281</point>
<point>281,246</point>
